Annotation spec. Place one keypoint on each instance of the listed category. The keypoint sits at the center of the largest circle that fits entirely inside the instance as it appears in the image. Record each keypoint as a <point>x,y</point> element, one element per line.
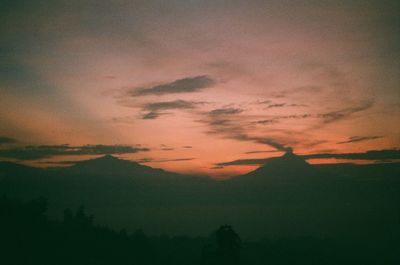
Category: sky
<point>189,86</point>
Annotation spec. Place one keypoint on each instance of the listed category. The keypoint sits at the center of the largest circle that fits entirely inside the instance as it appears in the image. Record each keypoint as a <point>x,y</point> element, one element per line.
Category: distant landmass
<point>285,197</point>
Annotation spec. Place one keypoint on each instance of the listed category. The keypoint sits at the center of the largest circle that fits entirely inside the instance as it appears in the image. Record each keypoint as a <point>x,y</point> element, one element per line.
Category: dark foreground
<point>29,237</point>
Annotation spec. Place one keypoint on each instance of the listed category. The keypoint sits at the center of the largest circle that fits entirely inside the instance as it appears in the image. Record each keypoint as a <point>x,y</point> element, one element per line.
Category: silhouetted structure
<point>229,245</point>
<point>227,249</point>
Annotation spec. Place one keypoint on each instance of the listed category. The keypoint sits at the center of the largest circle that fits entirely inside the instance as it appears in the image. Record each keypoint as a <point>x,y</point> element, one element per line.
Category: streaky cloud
<point>225,111</point>
<point>355,139</point>
<point>154,109</point>
<point>152,115</point>
<point>265,122</point>
<point>150,160</point>
<point>280,105</point>
<point>261,152</point>
<point>167,149</point>
<point>334,116</point>
<point>243,162</point>
<point>168,105</point>
<point>184,85</point>
<point>46,151</point>
<point>373,155</point>
<point>385,154</point>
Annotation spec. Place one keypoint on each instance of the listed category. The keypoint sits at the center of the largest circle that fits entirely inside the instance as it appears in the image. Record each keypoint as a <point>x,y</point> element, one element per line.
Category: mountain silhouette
<point>288,168</point>
<point>344,198</point>
<point>112,166</point>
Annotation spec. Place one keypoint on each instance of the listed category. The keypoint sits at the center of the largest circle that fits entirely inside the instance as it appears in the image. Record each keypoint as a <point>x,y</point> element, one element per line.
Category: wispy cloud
<point>277,105</point>
<point>154,110</point>
<point>355,139</point>
<point>334,116</point>
<point>184,85</point>
<point>265,122</point>
<point>231,124</point>
<point>225,111</point>
<point>271,142</point>
<point>152,115</point>
<point>167,149</point>
<point>167,105</point>
<point>46,151</point>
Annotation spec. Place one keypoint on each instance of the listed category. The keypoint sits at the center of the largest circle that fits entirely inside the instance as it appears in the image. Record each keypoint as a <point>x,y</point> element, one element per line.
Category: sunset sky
<point>190,85</point>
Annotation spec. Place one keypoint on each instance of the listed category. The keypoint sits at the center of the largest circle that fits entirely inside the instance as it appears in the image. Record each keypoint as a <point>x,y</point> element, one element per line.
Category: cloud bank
<point>47,151</point>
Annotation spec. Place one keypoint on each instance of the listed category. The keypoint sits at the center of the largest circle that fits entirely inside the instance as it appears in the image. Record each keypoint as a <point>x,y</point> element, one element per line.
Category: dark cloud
<point>167,149</point>
<point>175,160</point>
<point>7,140</point>
<point>220,122</point>
<point>187,146</point>
<point>46,151</point>
<point>265,122</point>
<point>261,140</point>
<point>272,143</point>
<point>185,85</point>
<point>217,167</point>
<point>152,115</point>
<point>168,105</point>
<point>242,162</point>
<point>154,109</point>
<point>263,102</point>
<point>151,160</point>
<point>144,160</point>
<point>276,119</point>
<point>355,139</point>
<point>66,163</point>
<point>294,116</point>
<point>281,105</point>
<point>234,128</point>
<point>369,155</point>
<point>260,152</point>
<point>381,155</point>
<point>344,113</point>
<point>278,105</point>
<point>225,111</point>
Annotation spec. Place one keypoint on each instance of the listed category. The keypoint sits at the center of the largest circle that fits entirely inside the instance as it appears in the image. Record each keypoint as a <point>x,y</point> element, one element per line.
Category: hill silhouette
<point>285,197</point>
<point>30,237</point>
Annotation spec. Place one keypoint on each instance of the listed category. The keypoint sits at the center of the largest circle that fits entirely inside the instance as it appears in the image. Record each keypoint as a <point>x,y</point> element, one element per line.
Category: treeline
<point>28,236</point>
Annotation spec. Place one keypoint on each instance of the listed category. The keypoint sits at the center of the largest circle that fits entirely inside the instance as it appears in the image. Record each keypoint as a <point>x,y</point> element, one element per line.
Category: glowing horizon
<point>190,84</point>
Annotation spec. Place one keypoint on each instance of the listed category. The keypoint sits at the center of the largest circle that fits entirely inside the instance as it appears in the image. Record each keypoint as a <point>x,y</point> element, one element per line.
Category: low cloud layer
<point>373,155</point>
<point>150,160</point>
<point>369,155</point>
<point>47,151</point>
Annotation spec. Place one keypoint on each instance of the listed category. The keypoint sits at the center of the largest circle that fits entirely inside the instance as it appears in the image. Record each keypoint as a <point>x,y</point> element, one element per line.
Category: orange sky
<point>197,83</point>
